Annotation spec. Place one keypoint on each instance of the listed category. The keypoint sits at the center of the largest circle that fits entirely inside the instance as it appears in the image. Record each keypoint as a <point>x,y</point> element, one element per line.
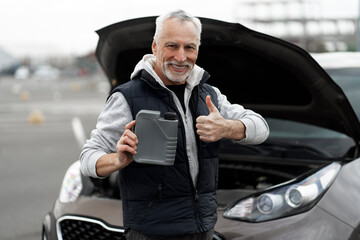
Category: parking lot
<point>42,126</point>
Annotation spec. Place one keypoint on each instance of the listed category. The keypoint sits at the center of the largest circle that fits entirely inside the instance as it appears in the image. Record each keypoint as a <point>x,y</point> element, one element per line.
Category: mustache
<point>173,62</point>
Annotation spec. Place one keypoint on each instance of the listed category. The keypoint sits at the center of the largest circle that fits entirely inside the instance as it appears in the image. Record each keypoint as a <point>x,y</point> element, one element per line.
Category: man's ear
<point>153,47</point>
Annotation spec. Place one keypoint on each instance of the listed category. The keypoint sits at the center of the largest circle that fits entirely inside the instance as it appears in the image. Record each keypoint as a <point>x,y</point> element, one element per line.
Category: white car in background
<point>22,72</point>
<point>46,72</point>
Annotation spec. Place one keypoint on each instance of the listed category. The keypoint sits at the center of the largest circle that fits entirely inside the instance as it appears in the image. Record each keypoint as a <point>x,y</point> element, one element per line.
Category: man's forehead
<point>179,31</point>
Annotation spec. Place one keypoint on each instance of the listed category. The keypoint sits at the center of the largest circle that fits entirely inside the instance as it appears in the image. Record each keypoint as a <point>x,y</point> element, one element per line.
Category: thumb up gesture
<point>211,127</point>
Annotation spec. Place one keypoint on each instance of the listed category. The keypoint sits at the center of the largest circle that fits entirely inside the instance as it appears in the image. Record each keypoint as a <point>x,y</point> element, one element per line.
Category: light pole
<point>358,28</point>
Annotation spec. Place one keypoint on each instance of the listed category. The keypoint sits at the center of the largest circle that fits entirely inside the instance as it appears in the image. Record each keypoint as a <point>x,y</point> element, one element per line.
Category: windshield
<point>349,80</point>
<point>321,142</point>
<point>328,143</point>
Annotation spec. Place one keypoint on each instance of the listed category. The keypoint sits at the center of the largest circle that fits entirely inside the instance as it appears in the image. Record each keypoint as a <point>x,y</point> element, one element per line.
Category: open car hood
<point>268,75</point>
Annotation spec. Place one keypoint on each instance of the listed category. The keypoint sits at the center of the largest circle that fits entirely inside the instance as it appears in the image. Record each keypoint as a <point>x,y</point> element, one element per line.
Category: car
<point>22,72</point>
<point>302,183</point>
<point>46,72</point>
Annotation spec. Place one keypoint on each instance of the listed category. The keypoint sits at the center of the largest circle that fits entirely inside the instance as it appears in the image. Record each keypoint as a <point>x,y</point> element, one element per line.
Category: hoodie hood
<point>147,63</point>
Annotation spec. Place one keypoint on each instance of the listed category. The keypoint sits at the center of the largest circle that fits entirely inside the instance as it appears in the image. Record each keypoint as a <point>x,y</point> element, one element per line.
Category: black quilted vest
<point>161,201</point>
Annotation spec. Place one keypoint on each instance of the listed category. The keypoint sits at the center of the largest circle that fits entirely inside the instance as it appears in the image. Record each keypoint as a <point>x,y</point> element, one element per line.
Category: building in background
<point>302,22</point>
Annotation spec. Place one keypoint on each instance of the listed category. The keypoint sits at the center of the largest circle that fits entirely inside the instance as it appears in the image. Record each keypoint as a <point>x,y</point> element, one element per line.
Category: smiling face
<point>176,51</point>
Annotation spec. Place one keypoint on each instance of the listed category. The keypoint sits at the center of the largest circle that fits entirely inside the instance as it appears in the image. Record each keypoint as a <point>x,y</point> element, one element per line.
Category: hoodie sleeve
<point>109,128</point>
<point>257,129</point>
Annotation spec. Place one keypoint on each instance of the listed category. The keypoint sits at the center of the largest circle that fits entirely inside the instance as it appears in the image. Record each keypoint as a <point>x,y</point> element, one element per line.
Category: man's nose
<point>180,55</point>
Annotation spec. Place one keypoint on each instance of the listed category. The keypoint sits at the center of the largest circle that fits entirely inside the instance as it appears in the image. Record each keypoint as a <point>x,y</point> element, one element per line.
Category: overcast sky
<point>67,27</point>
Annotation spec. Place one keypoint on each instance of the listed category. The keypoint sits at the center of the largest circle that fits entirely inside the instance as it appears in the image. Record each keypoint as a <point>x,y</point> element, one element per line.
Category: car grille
<point>82,228</point>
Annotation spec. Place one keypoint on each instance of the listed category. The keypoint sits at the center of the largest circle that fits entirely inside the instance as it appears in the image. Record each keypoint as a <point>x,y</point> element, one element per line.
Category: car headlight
<point>286,199</point>
<point>72,184</point>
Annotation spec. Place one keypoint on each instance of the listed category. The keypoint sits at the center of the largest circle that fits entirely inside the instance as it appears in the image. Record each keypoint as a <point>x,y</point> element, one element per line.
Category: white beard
<point>177,77</point>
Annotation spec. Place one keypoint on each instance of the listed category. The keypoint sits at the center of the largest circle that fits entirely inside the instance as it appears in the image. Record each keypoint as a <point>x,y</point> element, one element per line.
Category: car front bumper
<point>314,224</point>
<point>104,216</point>
<point>101,218</point>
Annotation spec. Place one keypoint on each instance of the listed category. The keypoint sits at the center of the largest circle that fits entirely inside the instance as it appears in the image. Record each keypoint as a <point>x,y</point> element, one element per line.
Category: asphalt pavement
<point>43,123</point>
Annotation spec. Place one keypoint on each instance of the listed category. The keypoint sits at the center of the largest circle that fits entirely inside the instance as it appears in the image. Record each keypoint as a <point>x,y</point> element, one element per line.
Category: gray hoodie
<point>116,114</point>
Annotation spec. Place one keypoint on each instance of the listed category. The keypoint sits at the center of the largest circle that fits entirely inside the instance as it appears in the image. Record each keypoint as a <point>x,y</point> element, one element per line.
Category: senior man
<point>179,201</point>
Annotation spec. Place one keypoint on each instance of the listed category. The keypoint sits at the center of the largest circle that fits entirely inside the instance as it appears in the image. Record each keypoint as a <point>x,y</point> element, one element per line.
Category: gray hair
<point>180,15</point>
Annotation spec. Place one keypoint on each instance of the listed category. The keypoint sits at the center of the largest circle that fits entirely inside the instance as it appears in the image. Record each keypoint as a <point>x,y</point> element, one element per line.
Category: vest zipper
<point>197,203</point>
<point>160,194</point>
<point>197,210</point>
<point>194,188</point>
